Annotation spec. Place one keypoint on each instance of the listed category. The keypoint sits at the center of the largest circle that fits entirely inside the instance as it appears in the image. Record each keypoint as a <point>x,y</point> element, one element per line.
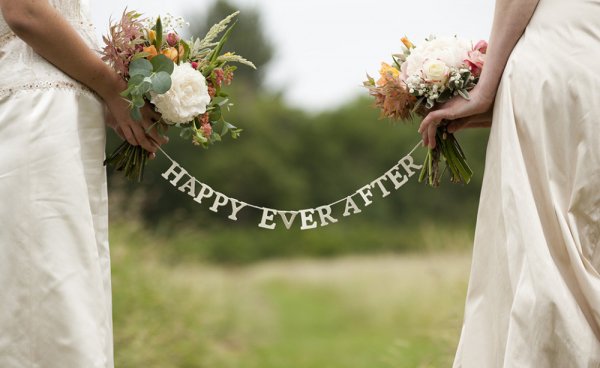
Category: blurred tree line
<point>293,159</point>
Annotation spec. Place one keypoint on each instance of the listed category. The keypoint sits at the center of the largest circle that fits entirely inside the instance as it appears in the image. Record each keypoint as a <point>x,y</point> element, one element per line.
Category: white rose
<point>187,98</point>
<point>450,50</point>
<point>435,71</point>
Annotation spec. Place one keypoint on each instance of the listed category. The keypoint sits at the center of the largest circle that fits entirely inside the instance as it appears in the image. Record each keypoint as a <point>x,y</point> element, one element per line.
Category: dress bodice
<point>22,68</point>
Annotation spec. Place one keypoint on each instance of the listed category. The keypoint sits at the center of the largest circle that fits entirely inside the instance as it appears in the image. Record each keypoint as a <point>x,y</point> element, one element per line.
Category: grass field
<point>388,311</point>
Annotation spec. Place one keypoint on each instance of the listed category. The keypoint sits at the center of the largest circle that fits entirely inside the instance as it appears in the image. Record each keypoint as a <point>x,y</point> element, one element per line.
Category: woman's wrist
<point>108,84</point>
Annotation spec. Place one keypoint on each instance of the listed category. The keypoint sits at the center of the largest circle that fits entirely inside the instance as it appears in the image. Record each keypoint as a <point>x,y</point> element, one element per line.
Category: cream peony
<point>451,51</point>
<point>187,98</point>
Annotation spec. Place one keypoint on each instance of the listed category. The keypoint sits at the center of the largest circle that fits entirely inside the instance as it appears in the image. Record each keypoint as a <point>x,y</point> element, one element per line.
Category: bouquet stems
<point>129,159</point>
<point>448,148</point>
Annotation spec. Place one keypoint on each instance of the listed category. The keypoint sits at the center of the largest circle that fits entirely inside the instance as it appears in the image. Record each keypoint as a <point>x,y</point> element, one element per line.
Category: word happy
<point>307,219</point>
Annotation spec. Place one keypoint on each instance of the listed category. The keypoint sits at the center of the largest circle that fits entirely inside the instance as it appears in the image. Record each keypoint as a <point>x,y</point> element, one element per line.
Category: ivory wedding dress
<point>55,293</point>
<point>534,292</point>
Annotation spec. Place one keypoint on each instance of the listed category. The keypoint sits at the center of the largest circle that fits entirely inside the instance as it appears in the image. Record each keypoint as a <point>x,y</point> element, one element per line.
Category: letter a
<point>351,205</point>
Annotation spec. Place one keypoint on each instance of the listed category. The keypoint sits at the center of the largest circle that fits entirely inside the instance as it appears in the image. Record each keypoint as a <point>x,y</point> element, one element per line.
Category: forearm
<point>38,24</point>
<point>510,20</point>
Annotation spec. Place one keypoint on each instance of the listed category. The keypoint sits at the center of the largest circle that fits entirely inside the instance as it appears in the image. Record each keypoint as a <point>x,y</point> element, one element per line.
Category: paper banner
<point>306,219</point>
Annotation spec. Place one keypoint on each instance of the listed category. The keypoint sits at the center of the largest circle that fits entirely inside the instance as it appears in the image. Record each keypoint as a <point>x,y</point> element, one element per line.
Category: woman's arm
<point>38,24</point>
<point>510,20</point>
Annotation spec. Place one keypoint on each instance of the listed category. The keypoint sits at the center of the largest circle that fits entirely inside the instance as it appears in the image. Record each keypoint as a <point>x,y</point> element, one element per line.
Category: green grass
<point>388,311</point>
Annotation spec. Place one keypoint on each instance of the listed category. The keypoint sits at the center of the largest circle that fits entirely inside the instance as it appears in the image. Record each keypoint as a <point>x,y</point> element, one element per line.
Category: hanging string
<point>393,175</point>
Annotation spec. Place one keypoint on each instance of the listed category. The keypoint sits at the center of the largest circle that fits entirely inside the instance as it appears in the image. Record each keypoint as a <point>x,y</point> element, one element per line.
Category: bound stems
<point>448,149</point>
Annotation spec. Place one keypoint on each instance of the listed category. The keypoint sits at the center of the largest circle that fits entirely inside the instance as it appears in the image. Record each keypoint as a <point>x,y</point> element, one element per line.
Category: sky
<point>324,48</point>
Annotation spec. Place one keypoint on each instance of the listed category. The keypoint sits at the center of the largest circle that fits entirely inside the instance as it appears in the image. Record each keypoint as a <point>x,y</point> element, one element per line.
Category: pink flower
<point>172,39</point>
<point>195,64</point>
<point>476,58</point>
<point>206,130</point>
<point>481,46</point>
<point>212,91</point>
<point>205,119</point>
<point>219,76</point>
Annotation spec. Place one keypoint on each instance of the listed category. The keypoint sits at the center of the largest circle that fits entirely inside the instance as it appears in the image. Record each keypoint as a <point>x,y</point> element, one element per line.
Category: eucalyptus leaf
<point>138,101</point>
<point>127,91</point>
<point>161,82</point>
<point>136,114</point>
<point>140,67</point>
<point>145,87</point>
<point>161,63</point>
<point>140,55</point>
<point>135,80</point>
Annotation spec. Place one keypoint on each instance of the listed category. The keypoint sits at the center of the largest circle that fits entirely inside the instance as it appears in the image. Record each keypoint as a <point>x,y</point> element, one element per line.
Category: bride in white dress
<point>534,292</point>
<point>55,292</point>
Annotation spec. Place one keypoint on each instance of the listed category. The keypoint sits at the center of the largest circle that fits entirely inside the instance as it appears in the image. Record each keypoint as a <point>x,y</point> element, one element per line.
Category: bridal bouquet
<point>181,79</point>
<point>420,78</point>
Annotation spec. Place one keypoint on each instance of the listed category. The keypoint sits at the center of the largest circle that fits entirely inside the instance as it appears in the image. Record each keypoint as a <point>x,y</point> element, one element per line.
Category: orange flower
<point>171,53</point>
<point>151,35</point>
<point>407,43</point>
<point>151,50</point>
<point>388,74</point>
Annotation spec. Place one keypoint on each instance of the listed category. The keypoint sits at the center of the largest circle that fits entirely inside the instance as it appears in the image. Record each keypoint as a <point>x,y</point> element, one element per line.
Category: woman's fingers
<point>151,129</point>
<point>151,124</point>
<point>429,126</point>
<point>120,132</point>
<point>129,136</point>
<point>142,138</point>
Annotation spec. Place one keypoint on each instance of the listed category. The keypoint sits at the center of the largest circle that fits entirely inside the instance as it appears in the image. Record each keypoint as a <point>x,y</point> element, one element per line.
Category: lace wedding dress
<point>534,293</point>
<point>55,293</point>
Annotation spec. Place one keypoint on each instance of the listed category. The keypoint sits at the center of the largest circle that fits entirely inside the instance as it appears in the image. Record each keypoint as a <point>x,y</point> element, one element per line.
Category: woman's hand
<point>148,114</point>
<point>461,112</point>
<point>483,120</point>
<point>138,133</point>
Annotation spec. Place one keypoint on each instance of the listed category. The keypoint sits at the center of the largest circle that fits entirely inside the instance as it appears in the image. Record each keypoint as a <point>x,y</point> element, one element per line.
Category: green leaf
<point>223,103</point>
<point>127,91</point>
<point>235,133</point>
<point>186,50</point>
<point>140,55</point>
<point>140,67</point>
<point>144,87</point>
<point>136,80</point>
<point>159,34</point>
<point>215,115</point>
<point>161,63</point>
<point>136,114</point>
<point>186,133</point>
<point>138,101</point>
<point>161,82</point>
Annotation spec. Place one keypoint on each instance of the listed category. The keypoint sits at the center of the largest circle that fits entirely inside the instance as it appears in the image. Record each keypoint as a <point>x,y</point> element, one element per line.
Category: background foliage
<point>292,159</point>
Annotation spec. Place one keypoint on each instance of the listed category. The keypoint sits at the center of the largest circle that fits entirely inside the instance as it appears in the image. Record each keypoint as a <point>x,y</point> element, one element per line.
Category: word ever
<point>311,218</point>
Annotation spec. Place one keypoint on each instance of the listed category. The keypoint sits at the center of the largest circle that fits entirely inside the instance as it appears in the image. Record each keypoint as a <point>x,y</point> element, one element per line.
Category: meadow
<point>390,310</point>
